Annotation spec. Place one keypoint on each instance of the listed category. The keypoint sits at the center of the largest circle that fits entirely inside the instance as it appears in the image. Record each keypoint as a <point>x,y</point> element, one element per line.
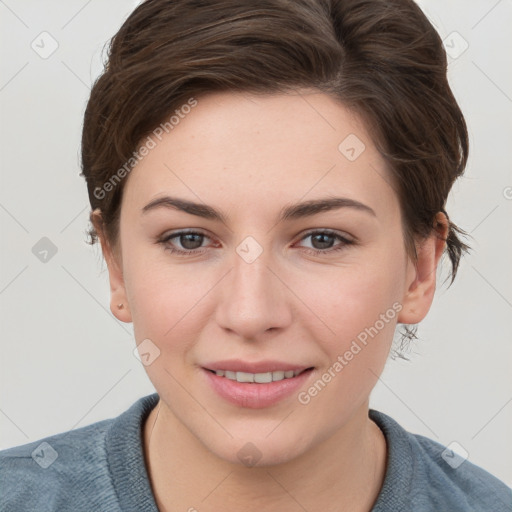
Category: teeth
<point>245,377</point>
<point>260,378</point>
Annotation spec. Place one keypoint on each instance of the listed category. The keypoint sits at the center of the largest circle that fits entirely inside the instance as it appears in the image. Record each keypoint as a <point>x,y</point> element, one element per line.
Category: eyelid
<point>302,235</point>
<point>176,234</point>
<point>184,231</point>
<point>328,231</point>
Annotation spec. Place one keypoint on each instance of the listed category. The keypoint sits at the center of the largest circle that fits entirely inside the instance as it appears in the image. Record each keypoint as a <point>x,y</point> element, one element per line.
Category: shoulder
<point>434,477</point>
<point>450,474</point>
<point>56,471</point>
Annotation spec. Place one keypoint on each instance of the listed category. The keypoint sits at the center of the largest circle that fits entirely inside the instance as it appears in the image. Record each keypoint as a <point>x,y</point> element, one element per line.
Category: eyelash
<point>317,252</point>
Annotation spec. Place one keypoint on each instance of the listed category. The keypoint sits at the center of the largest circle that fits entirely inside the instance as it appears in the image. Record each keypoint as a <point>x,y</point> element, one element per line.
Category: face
<point>250,280</point>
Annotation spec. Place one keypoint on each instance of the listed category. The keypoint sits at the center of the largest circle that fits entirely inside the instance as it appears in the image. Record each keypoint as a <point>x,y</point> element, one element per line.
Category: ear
<point>114,264</point>
<point>421,276</point>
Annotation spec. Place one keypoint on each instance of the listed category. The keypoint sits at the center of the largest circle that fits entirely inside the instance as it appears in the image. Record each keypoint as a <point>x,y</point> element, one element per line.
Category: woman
<point>268,183</point>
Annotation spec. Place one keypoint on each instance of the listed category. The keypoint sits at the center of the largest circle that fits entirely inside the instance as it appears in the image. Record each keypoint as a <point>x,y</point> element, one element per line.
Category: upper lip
<point>237,365</point>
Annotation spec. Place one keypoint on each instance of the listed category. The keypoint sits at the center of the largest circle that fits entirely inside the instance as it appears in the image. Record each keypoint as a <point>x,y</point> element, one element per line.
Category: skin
<point>249,156</point>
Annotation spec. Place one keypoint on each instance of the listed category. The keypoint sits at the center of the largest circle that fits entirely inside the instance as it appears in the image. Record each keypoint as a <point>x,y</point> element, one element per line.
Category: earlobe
<point>118,298</point>
<point>421,275</point>
<point>121,313</point>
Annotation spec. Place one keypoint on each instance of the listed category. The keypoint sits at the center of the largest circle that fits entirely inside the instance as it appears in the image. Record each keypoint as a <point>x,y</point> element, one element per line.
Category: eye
<point>324,239</point>
<point>191,241</point>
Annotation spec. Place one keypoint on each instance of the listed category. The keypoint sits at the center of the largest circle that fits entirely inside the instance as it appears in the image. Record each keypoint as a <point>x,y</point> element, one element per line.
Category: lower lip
<point>253,395</point>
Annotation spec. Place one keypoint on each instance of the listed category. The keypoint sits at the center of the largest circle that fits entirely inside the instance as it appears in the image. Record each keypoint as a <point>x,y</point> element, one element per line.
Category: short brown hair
<point>381,58</point>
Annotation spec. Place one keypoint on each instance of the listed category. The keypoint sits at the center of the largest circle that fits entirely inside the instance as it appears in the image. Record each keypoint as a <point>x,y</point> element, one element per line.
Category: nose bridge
<point>253,298</point>
<point>251,274</point>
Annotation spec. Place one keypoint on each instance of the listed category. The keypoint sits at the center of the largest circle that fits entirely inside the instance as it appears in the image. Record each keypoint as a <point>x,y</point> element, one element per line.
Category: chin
<point>259,452</point>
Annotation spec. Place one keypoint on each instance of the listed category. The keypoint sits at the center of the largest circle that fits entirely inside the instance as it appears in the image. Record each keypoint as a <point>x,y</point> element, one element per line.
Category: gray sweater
<point>101,467</point>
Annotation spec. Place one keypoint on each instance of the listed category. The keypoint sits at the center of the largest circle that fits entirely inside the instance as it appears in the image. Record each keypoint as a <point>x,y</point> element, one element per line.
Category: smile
<point>256,390</point>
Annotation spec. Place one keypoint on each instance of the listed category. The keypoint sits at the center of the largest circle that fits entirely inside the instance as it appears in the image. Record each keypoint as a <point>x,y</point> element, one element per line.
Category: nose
<point>254,298</point>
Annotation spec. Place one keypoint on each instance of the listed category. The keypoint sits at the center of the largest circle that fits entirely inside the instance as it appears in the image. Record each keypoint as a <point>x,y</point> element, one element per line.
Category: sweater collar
<point>125,455</point>
<point>397,485</point>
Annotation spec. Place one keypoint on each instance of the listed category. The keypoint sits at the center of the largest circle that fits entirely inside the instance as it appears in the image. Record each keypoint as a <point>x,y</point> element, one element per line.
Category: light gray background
<point>67,362</point>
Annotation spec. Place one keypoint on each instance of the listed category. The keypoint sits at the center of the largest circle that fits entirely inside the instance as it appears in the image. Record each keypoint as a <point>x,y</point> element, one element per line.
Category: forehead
<point>257,152</point>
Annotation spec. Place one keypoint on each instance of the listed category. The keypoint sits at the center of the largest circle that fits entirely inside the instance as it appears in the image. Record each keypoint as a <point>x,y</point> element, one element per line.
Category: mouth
<point>266,385</point>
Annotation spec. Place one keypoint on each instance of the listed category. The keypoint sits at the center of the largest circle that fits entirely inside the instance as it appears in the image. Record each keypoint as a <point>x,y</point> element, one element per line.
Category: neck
<point>345,471</point>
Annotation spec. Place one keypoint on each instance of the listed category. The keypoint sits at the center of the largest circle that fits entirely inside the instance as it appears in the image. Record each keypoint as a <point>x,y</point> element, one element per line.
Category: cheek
<point>171,305</point>
<point>361,307</point>
<point>164,299</point>
<point>353,298</point>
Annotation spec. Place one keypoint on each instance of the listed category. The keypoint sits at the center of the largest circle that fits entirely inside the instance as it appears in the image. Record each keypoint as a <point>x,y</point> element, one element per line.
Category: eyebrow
<point>290,212</point>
